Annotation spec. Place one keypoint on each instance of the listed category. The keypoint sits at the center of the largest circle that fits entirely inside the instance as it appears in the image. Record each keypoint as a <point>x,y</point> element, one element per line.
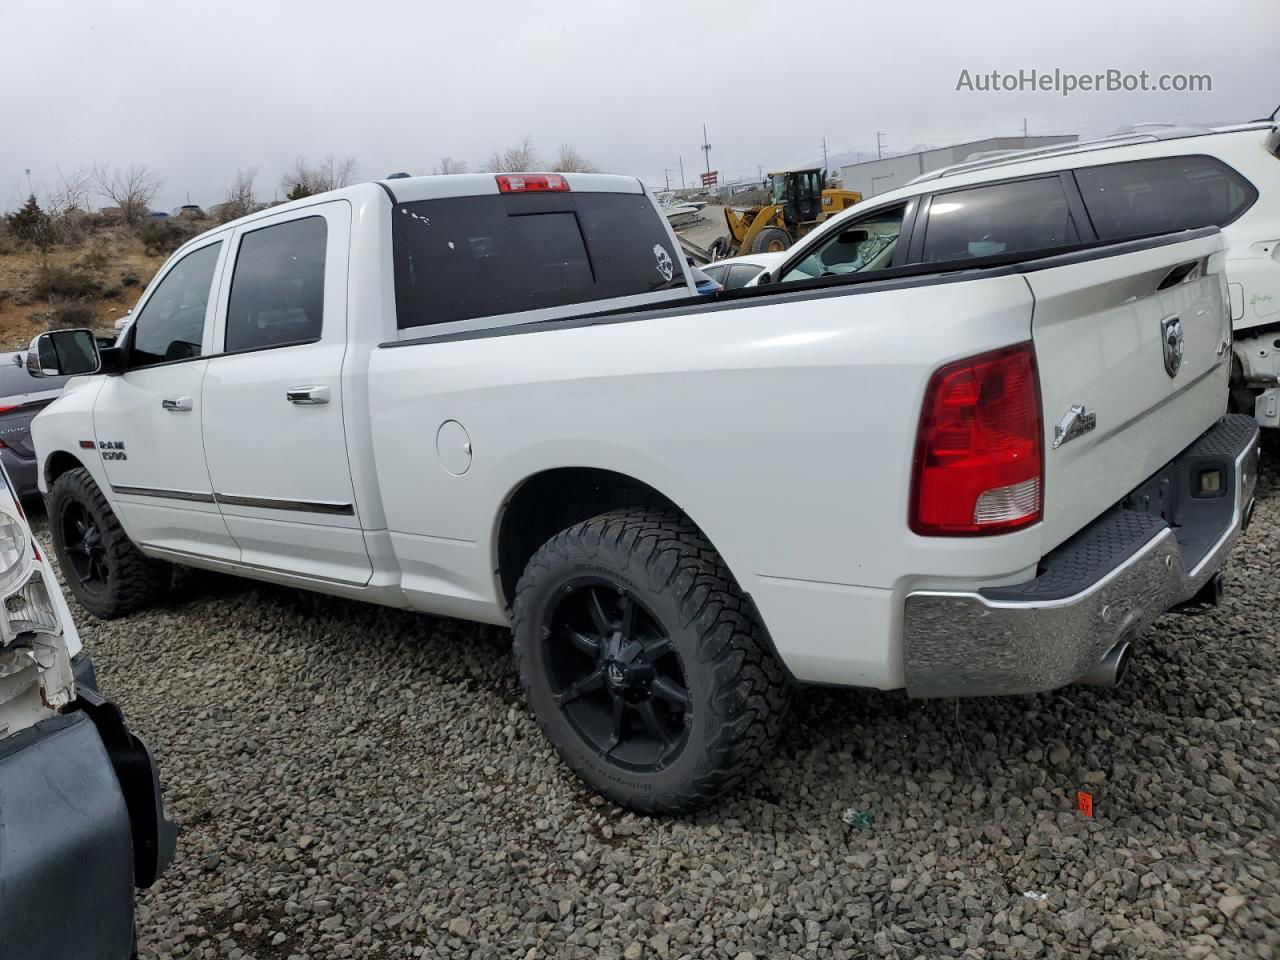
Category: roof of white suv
<point>1138,133</point>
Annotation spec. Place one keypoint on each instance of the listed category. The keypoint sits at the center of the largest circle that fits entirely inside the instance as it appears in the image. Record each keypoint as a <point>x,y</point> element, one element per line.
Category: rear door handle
<point>307,395</point>
<point>176,404</point>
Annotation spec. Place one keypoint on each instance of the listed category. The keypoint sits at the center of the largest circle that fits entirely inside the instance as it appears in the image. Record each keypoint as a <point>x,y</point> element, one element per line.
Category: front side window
<point>1161,195</point>
<point>277,289</point>
<point>1000,218</point>
<point>170,325</point>
<point>861,246</point>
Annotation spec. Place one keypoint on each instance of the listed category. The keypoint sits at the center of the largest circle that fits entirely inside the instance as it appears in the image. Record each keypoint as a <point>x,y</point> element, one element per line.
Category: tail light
<point>979,464</point>
<point>532,183</point>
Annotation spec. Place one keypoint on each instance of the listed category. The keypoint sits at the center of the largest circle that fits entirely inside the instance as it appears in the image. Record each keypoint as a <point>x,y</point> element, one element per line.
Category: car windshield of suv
<point>862,246</point>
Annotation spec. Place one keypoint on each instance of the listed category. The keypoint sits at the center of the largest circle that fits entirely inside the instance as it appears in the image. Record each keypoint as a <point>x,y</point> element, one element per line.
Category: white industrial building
<point>880,176</point>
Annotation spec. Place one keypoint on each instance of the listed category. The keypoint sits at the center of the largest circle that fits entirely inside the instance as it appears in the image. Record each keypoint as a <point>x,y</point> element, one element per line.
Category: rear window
<point>1012,217</point>
<point>1161,195</point>
<point>460,258</point>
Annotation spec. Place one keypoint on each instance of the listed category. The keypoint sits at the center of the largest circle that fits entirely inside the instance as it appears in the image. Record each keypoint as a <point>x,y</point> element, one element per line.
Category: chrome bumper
<point>982,643</point>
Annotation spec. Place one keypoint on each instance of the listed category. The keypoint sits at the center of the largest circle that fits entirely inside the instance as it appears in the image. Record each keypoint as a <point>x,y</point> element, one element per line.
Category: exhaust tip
<point>1110,670</point>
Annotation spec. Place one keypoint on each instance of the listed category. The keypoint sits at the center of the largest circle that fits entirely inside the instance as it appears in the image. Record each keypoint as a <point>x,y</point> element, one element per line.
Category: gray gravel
<point>357,782</point>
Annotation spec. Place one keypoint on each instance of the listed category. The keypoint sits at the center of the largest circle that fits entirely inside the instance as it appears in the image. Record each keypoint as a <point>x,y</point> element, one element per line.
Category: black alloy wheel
<point>615,674</point>
<point>85,550</point>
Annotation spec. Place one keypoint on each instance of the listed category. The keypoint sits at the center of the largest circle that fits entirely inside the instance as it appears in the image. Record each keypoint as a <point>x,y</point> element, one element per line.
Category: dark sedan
<point>22,396</point>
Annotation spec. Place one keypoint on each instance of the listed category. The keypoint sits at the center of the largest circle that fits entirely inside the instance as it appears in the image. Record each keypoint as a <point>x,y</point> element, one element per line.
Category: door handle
<point>176,404</point>
<point>307,395</point>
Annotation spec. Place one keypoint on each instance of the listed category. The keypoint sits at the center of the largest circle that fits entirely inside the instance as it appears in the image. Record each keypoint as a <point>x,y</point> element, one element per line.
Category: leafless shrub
<point>514,159</point>
<point>570,161</point>
<point>70,193</point>
<point>131,189</point>
<point>161,237</point>
<point>56,282</point>
<point>330,174</point>
<point>448,165</point>
<point>240,200</point>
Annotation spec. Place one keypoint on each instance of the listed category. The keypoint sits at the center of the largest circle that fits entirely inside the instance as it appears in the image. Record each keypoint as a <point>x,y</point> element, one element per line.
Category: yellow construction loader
<point>798,203</point>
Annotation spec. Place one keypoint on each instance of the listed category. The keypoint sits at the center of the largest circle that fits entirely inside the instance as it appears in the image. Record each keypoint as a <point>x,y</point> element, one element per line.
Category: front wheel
<point>106,571</point>
<point>771,240</point>
<point>643,663</point>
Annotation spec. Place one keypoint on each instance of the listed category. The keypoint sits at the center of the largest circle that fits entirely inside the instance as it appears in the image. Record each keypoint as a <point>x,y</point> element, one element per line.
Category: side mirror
<point>63,353</point>
<point>853,236</point>
<point>763,278</point>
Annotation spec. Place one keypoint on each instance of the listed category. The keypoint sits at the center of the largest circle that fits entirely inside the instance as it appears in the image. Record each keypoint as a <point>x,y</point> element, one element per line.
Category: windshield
<point>863,245</point>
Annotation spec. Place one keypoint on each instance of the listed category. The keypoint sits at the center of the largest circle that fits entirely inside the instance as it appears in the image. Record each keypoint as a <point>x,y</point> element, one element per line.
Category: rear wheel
<point>642,662</point>
<point>107,573</point>
<point>771,240</point>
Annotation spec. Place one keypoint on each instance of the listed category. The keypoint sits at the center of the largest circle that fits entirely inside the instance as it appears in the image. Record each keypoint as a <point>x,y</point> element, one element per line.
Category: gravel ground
<point>357,782</point>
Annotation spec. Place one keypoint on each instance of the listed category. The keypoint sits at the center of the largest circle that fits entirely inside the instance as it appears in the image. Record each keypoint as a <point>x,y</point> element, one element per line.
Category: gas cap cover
<point>453,446</point>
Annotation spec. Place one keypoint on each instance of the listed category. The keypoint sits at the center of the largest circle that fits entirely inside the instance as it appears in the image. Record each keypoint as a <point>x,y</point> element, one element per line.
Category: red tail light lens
<point>532,183</point>
<point>979,466</point>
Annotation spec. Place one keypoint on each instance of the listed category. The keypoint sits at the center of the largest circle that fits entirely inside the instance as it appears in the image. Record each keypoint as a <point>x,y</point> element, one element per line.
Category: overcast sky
<point>196,90</point>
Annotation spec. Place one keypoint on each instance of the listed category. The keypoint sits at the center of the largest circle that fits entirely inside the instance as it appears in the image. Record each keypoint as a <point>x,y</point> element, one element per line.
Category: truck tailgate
<point>1138,335</point>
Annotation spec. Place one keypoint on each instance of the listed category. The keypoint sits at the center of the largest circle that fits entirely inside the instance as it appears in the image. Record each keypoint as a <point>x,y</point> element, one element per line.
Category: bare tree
<point>514,159</point>
<point>240,199</point>
<point>570,161</point>
<point>131,189</point>
<point>71,192</point>
<point>329,174</point>
<point>448,165</point>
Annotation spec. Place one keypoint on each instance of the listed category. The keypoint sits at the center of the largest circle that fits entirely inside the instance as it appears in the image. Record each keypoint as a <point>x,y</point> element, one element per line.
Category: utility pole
<point>824,157</point>
<point>706,147</point>
<point>667,173</point>
<point>681,159</point>
<point>30,190</point>
<point>879,146</point>
<point>1024,126</point>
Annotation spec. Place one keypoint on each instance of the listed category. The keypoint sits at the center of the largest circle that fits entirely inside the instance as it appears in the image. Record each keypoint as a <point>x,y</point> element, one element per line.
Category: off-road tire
<point>764,240</point>
<point>133,580</point>
<point>739,693</point>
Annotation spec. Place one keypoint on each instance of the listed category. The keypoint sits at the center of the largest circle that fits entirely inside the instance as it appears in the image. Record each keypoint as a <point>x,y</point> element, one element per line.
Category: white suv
<point>1152,180</point>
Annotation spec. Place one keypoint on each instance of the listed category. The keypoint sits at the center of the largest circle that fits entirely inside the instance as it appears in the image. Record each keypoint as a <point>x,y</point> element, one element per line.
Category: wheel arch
<point>58,463</point>
<point>547,502</point>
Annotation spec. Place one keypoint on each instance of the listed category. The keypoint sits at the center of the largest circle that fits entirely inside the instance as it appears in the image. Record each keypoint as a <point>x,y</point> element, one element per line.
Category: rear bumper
<point>1134,563</point>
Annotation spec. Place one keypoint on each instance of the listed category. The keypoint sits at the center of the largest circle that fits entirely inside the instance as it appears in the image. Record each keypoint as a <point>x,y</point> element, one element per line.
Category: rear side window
<point>277,290</point>
<point>459,258</point>
<point>1001,218</point>
<point>1162,195</point>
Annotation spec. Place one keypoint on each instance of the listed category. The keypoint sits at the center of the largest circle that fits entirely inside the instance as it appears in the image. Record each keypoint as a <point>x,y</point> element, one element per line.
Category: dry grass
<point>99,278</point>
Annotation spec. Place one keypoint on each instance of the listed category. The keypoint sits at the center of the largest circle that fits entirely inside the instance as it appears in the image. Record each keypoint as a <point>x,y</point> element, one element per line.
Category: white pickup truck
<point>498,398</point>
